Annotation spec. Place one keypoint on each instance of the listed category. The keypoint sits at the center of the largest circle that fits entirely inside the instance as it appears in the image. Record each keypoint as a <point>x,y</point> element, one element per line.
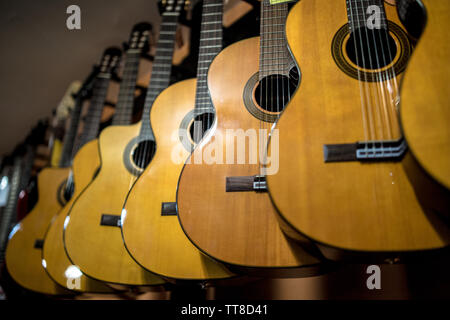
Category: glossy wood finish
<point>98,250</point>
<point>158,242</point>
<point>238,228</point>
<point>23,260</point>
<point>359,207</point>
<point>84,167</point>
<point>425,100</point>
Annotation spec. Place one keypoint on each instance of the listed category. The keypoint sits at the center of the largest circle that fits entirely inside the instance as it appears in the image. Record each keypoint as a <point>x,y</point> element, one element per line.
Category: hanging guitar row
<point>323,140</point>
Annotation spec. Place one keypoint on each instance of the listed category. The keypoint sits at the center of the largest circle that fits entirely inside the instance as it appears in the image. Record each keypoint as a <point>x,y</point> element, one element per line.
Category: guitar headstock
<point>139,37</point>
<point>110,61</point>
<point>176,6</point>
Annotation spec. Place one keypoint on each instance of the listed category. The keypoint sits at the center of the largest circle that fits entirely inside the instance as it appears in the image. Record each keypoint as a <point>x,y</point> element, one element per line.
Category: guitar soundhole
<point>201,124</point>
<point>143,153</point>
<point>68,190</point>
<point>274,92</point>
<point>371,49</point>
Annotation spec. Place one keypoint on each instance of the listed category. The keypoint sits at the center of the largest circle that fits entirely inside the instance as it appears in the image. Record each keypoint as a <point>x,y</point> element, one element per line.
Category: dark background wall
<point>40,57</point>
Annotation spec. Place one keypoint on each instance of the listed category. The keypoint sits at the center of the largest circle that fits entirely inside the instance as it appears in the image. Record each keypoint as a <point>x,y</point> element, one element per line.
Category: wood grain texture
<point>84,166</point>
<point>23,260</point>
<point>348,205</point>
<point>238,228</point>
<point>99,250</point>
<point>158,242</point>
<point>425,97</point>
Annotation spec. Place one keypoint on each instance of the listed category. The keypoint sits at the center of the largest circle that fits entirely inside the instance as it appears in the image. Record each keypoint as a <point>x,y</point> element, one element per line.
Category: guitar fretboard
<point>274,54</point>
<point>358,14</point>
<point>125,102</point>
<point>210,46</point>
<point>92,122</point>
<point>162,66</point>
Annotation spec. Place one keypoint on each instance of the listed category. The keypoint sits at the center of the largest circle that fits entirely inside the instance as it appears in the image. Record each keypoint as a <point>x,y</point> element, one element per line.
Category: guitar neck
<point>210,45</point>
<point>274,54</point>
<point>162,66</point>
<point>93,117</point>
<point>124,107</point>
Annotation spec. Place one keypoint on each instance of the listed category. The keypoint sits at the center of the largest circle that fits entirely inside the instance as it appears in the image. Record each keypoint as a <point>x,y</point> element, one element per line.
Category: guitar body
<point>348,208</point>
<point>23,257</point>
<point>425,112</point>
<point>96,249</point>
<point>157,242</point>
<point>237,228</point>
<point>59,267</point>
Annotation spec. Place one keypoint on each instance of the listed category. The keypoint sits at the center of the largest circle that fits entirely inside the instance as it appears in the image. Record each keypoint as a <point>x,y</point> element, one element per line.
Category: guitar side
<point>425,112</point>
<point>237,228</point>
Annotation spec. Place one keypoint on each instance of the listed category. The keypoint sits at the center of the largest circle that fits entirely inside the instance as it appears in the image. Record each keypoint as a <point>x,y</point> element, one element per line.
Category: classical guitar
<point>92,234</point>
<point>82,160</point>
<point>149,220</point>
<point>341,182</point>
<point>23,258</point>
<point>424,109</point>
<point>220,198</point>
<point>24,255</point>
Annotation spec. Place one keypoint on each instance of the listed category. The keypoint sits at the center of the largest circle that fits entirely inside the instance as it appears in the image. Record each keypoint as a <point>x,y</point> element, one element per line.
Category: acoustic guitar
<point>23,259</point>
<point>424,109</point>
<point>92,234</point>
<point>81,159</point>
<point>223,206</point>
<point>55,185</point>
<point>137,45</point>
<point>149,220</point>
<point>341,182</point>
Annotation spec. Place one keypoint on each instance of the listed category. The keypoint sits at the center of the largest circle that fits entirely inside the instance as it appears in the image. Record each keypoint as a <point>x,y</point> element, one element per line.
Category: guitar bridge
<point>110,220</point>
<point>365,151</point>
